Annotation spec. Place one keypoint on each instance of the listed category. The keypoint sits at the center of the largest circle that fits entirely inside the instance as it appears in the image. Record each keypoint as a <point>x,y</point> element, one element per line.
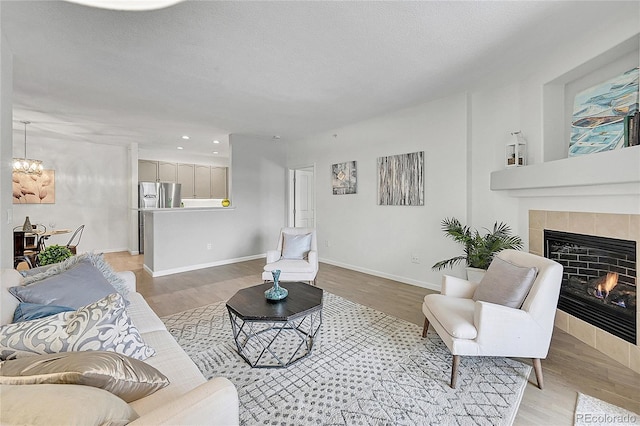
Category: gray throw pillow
<point>78,286</point>
<point>505,284</point>
<point>296,246</point>
<point>100,326</point>
<point>119,374</point>
<point>96,259</point>
<point>35,271</point>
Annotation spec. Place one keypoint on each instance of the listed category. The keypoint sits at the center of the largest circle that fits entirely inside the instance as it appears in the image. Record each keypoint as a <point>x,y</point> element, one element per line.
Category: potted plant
<point>478,249</point>
<point>53,254</point>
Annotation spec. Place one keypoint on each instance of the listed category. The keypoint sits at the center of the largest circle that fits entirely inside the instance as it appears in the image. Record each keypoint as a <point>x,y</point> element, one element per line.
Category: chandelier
<point>27,165</point>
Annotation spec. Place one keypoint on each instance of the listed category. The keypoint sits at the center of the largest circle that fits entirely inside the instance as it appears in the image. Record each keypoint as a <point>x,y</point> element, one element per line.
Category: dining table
<point>42,235</point>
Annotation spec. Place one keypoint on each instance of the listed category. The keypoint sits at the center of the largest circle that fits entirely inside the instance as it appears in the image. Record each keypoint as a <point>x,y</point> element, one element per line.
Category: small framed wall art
<point>34,189</point>
<point>344,178</point>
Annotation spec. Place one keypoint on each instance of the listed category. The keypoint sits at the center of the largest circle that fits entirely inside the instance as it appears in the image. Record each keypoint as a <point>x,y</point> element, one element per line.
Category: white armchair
<point>479,328</point>
<point>302,265</point>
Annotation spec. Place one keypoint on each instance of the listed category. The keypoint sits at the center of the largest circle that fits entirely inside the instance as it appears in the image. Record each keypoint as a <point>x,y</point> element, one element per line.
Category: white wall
<point>6,151</point>
<point>495,113</point>
<point>246,230</point>
<point>381,239</point>
<point>600,54</point>
<point>464,138</point>
<point>92,188</point>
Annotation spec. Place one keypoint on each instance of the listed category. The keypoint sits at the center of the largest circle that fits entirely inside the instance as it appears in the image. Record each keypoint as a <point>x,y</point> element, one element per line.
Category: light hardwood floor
<point>571,366</point>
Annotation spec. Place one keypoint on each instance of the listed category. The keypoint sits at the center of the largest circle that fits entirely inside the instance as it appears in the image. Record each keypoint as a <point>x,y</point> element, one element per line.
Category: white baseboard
<point>111,250</point>
<point>405,280</point>
<point>201,266</point>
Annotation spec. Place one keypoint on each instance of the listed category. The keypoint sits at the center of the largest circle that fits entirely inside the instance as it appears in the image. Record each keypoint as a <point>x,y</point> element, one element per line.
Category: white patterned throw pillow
<point>100,326</point>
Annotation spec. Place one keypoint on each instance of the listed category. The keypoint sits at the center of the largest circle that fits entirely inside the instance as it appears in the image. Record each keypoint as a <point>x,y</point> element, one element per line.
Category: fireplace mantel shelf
<point>607,173</point>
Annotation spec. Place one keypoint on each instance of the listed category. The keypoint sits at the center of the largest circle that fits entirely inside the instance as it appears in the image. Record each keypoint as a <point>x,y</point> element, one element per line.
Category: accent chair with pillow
<point>296,256</point>
<point>510,313</point>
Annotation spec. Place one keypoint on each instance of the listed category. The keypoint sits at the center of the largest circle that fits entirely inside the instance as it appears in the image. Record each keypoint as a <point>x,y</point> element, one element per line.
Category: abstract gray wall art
<point>401,180</point>
<point>344,178</point>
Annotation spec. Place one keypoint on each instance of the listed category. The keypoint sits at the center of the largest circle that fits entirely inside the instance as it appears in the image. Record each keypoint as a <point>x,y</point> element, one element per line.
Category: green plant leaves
<point>53,254</point>
<point>478,249</point>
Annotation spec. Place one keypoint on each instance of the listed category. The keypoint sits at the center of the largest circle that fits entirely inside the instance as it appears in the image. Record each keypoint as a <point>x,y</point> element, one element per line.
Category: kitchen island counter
<point>184,239</point>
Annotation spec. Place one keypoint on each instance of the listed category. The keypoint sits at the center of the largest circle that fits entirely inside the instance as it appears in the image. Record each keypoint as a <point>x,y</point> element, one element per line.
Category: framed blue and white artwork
<point>598,120</point>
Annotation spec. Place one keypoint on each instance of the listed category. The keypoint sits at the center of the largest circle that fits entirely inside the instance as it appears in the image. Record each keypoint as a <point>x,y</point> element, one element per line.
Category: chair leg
<point>425,328</point>
<point>537,367</point>
<point>454,370</point>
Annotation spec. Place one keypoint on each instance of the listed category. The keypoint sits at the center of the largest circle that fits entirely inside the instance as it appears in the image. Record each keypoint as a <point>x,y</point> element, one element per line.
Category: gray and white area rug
<point>593,411</point>
<point>366,368</point>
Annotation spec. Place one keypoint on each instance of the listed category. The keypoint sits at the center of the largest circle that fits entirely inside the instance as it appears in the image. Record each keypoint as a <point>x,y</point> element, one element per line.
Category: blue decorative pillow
<point>30,311</point>
<point>296,246</point>
<point>76,287</point>
<point>36,271</point>
<point>96,260</point>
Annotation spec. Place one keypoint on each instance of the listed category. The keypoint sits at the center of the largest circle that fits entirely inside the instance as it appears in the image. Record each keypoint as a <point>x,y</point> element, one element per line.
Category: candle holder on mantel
<point>516,151</point>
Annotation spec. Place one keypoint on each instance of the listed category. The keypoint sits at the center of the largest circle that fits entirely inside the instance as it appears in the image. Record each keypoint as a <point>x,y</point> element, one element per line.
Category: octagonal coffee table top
<point>250,303</point>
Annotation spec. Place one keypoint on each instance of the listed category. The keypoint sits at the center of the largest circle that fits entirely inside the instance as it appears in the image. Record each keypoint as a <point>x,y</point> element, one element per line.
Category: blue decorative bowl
<point>276,293</point>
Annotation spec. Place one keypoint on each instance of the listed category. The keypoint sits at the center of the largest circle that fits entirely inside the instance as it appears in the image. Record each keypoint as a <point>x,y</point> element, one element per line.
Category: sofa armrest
<point>212,403</point>
<point>312,257</point>
<point>129,279</point>
<point>273,256</point>
<point>457,287</point>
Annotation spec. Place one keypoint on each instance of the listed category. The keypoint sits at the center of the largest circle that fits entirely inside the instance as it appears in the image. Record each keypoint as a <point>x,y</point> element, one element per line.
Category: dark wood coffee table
<point>275,334</point>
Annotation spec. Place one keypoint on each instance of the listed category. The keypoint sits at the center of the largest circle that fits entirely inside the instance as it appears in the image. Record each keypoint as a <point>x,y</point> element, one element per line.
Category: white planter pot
<point>475,274</point>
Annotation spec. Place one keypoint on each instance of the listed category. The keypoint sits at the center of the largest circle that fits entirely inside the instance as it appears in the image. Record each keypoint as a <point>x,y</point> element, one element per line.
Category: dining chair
<point>19,253</point>
<point>75,239</point>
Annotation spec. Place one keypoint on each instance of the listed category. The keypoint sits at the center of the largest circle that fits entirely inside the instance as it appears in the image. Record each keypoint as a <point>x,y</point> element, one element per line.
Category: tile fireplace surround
<point>622,226</point>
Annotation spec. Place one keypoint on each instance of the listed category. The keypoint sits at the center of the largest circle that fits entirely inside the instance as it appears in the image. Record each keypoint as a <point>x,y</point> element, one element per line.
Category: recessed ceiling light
<point>180,147</point>
<point>185,137</point>
<point>215,152</point>
<point>216,141</point>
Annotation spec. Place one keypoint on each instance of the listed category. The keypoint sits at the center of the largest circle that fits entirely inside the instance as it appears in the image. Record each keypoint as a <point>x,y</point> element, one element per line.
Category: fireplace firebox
<point>599,280</point>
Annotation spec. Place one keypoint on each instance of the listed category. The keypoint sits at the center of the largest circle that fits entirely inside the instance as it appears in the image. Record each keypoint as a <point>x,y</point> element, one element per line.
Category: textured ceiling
<point>209,69</point>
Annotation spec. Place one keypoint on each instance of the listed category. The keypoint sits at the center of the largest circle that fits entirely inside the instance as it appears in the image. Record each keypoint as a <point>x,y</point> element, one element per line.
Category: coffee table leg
<point>247,329</point>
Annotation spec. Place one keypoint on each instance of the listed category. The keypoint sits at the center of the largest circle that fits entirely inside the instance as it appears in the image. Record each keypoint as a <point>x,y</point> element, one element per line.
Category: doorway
<point>302,197</point>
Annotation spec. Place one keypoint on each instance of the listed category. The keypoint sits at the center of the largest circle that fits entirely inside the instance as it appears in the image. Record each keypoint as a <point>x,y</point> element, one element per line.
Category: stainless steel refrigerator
<point>155,195</point>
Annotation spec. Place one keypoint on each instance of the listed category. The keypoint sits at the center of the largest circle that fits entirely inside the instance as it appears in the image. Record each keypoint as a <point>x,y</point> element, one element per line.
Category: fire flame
<point>606,285</point>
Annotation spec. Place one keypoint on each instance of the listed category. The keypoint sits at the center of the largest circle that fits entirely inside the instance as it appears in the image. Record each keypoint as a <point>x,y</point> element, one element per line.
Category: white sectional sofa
<point>189,399</point>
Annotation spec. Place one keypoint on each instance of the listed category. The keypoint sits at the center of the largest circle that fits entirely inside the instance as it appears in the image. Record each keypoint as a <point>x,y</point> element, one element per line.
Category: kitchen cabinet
<point>198,181</point>
<point>202,181</point>
<point>147,171</point>
<point>167,172</point>
<point>186,178</point>
<point>219,182</point>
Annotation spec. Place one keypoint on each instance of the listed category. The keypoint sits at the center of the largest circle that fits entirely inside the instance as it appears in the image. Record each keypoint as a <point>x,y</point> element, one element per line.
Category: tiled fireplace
<point>598,296</point>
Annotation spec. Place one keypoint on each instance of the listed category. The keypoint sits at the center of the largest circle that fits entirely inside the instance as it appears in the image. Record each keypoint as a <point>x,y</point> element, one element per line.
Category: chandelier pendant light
<point>27,165</point>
